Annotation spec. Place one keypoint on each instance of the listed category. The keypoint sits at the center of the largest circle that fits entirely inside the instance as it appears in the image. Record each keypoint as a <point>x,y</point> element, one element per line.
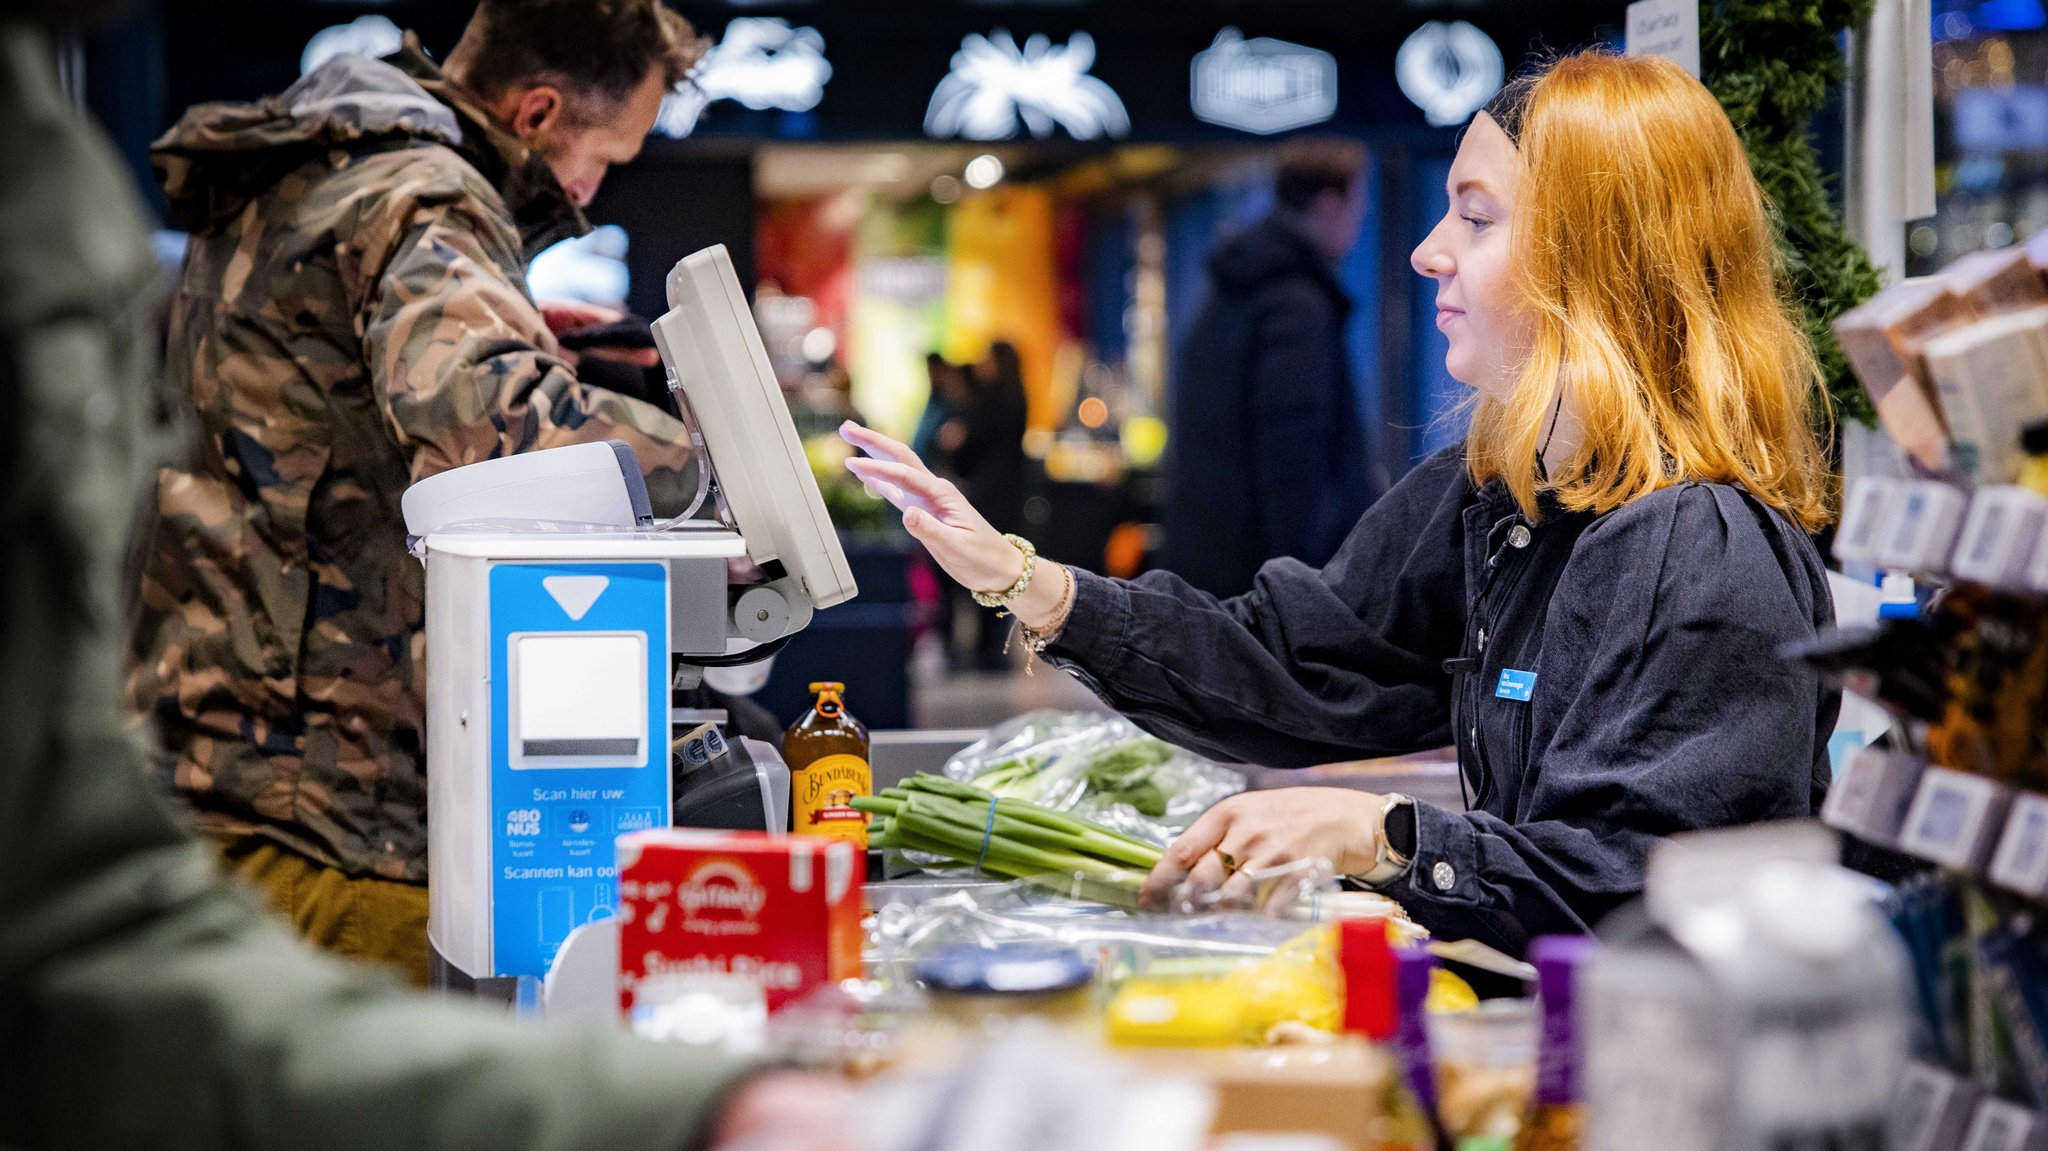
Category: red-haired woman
<point>1587,595</point>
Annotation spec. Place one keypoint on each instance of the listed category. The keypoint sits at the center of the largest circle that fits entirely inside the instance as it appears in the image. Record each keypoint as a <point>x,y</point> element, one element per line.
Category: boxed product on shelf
<point>777,910</point>
<point>1999,280</point>
<point>1885,341</point>
<point>1991,377</point>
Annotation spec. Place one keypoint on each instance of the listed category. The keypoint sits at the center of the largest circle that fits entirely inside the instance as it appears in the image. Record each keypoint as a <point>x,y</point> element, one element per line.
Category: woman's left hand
<point>1265,829</point>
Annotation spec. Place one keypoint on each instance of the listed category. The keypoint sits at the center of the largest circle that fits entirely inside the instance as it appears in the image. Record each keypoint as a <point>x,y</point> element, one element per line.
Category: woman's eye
<point>1478,223</point>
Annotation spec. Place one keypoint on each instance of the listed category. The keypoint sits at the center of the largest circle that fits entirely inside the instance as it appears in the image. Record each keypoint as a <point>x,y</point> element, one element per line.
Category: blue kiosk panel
<point>579,744</point>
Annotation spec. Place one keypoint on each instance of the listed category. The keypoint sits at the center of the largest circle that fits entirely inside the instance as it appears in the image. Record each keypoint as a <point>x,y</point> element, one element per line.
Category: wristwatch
<point>1393,841</point>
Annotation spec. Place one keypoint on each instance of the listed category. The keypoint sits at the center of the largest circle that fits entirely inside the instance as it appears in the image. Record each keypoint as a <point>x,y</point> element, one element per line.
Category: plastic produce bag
<point>1100,767</point>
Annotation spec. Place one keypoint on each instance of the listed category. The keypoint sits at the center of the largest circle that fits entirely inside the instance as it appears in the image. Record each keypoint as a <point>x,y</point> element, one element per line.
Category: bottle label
<point>824,792</point>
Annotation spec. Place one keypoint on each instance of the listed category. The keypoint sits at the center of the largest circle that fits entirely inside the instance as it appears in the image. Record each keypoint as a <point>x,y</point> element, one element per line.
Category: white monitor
<point>716,360</point>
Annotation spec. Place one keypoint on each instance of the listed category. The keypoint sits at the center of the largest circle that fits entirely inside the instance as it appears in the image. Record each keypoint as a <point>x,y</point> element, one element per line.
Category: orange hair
<point>1646,258</point>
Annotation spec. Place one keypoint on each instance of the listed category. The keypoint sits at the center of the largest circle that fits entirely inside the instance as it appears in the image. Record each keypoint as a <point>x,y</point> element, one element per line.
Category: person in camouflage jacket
<point>352,317</point>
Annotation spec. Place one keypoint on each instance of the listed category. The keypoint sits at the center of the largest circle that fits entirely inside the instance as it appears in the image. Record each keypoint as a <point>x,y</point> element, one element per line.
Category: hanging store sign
<point>371,36</point>
<point>1450,70</point>
<point>995,86</point>
<point>1262,85</point>
<point>760,62</point>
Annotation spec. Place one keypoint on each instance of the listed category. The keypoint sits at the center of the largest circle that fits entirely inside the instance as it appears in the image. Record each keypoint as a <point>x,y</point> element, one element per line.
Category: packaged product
<point>783,911</point>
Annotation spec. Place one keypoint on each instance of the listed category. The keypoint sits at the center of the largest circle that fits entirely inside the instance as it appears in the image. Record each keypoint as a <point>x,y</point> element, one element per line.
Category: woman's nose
<point>1429,257</point>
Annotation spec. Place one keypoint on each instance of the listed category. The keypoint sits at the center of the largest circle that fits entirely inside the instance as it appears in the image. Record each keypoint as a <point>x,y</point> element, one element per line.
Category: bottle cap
<point>1027,968</point>
<point>2034,438</point>
<point>828,689</point>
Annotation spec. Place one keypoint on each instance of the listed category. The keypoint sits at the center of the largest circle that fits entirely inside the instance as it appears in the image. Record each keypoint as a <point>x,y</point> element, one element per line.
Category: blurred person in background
<point>353,317</point>
<point>988,459</point>
<point>145,1001</point>
<point>938,430</point>
<point>1266,451</point>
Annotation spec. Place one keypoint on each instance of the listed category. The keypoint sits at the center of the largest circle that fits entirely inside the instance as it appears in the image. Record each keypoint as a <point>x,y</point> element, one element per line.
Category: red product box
<point>783,910</point>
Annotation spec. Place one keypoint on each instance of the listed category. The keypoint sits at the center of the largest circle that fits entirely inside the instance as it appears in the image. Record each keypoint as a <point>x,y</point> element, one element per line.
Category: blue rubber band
<point>988,831</point>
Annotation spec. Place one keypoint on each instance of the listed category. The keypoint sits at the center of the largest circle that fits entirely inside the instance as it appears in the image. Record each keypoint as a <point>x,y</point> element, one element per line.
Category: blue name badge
<point>1516,685</point>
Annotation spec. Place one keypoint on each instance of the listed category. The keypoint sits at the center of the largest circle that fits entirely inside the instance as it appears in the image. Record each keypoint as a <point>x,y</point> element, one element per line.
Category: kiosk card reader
<point>557,611</point>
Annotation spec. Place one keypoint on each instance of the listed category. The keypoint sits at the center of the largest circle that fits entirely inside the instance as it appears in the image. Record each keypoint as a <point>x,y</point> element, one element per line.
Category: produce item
<point>827,752</point>
<point>1558,1122</point>
<point>782,911</point>
<point>1103,768</point>
<point>1011,839</point>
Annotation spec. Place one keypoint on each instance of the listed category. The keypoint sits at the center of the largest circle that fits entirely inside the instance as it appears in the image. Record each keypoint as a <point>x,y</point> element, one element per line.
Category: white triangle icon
<point>576,593</point>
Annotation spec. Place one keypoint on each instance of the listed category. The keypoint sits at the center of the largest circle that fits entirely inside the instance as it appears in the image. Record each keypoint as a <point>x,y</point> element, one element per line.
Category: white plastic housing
<point>715,357</point>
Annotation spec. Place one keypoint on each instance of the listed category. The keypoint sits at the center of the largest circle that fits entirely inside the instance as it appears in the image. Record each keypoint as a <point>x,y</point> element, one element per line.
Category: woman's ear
<point>538,111</point>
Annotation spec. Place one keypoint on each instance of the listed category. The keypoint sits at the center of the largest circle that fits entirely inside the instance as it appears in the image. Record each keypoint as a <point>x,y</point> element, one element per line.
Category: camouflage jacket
<point>352,317</point>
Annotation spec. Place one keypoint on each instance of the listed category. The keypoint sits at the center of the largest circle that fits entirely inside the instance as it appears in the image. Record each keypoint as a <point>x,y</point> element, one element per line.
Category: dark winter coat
<point>1608,680</point>
<point>1266,447</point>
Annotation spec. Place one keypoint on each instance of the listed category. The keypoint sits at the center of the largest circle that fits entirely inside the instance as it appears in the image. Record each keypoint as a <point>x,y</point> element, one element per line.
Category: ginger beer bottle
<point>827,752</point>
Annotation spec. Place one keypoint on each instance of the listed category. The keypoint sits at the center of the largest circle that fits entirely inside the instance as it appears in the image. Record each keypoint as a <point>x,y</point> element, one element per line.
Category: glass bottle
<point>827,752</point>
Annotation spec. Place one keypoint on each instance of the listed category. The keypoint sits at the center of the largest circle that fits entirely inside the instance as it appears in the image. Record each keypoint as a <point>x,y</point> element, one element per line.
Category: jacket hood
<point>218,157</point>
<point>1267,251</point>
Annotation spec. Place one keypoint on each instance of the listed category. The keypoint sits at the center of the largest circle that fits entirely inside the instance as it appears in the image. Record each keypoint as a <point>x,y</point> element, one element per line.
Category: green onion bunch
<point>943,817</point>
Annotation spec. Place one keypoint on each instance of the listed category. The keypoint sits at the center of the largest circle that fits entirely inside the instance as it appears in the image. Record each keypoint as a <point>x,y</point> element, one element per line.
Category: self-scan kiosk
<point>559,613</point>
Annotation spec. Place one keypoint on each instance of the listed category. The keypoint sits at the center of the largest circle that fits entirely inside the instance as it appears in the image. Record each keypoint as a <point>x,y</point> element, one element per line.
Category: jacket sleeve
<point>1680,716</point>
<point>1310,666</point>
<point>144,1001</point>
<point>462,363</point>
<point>1296,375</point>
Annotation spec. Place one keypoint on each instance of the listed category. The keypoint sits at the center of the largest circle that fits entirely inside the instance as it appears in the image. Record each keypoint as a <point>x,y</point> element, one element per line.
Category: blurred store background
<point>898,180</point>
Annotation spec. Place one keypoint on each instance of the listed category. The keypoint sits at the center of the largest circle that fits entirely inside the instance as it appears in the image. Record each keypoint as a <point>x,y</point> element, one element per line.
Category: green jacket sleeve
<point>143,1001</point>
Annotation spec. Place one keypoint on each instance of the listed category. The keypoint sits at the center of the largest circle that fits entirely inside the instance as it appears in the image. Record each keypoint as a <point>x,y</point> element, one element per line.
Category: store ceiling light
<point>819,344</point>
<point>761,62</point>
<point>372,36</point>
<point>1262,85</point>
<point>984,171</point>
<point>1450,70</point>
<point>996,86</point>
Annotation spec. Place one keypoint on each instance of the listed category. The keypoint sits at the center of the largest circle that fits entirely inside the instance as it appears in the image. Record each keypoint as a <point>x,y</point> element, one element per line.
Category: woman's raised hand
<point>934,512</point>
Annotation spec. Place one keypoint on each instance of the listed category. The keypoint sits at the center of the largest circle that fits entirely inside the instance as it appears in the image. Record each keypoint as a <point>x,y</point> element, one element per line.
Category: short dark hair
<point>1312,165</point>
<point>602,48</point>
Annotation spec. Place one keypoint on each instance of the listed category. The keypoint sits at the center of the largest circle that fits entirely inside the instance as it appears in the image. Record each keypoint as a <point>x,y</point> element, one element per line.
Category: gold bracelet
<point>1003,598</point>
<point>1036,640</point>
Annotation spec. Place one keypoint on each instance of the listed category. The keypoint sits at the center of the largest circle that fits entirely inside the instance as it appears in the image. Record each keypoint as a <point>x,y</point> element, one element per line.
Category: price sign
<point>2000,1125</point>
<point>1864,519</point>
<point>1954,819</point>
<point>1931,1110</point>
<point>2022,860</point>
<point>1870,797</point>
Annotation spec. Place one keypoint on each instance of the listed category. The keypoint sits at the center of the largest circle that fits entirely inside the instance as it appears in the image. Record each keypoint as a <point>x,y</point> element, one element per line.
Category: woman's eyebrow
<point>1472,185</point>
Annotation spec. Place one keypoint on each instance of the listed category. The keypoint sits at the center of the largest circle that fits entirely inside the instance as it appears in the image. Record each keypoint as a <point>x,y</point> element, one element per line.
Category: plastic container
<point>987,987</point>
<point>1485,1067</point>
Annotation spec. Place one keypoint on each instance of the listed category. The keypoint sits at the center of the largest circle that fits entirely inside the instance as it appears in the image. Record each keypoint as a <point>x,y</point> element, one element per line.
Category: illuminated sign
<point>1263,85</point>
<point>760,62</point>
<point>1450,70</point>
<point>370,36</point>
<point>996,85</point>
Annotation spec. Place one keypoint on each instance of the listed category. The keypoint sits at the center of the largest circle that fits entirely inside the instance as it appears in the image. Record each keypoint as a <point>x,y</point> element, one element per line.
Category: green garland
<point>1771,63</point>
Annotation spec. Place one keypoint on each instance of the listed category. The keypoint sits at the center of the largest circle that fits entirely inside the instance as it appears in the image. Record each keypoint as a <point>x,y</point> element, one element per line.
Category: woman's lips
<point>1446,315</point>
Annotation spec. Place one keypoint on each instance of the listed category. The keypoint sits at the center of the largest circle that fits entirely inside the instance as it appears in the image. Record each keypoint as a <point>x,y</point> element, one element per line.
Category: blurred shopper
<point>353,317</point>
<point>1266,455</point>
<point>989,461</point>
<point>144,1001</point>
<point>942,408</point>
